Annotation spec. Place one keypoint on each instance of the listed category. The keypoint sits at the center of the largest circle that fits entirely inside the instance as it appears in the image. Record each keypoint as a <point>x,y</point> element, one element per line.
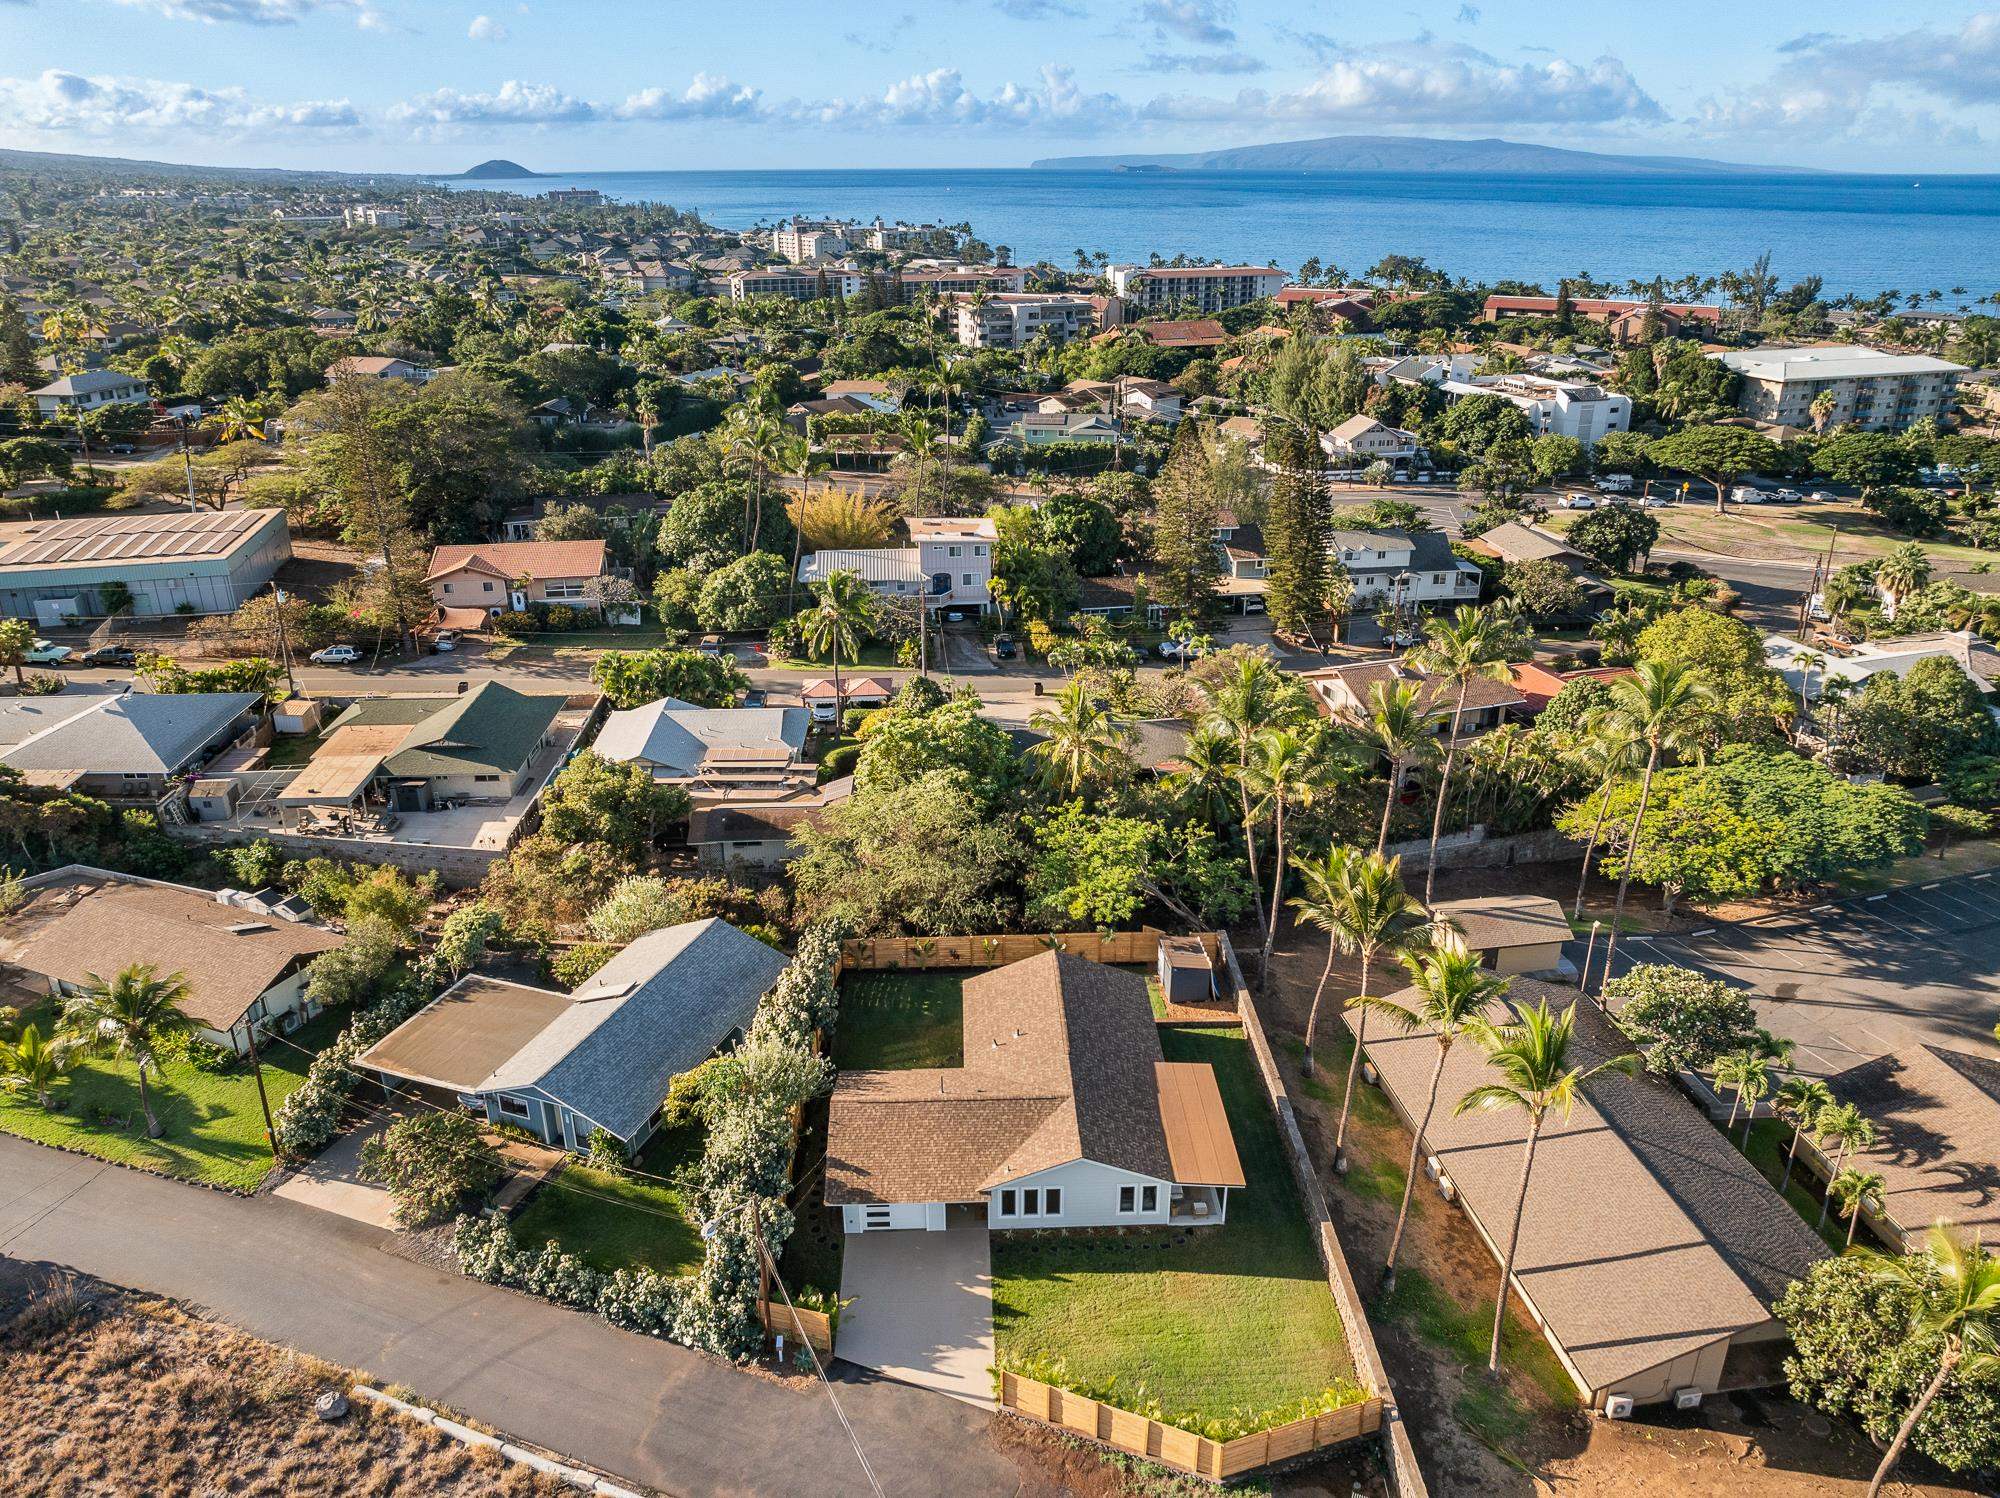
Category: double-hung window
<point>1008,1204</point>
<point>1128,1198</point>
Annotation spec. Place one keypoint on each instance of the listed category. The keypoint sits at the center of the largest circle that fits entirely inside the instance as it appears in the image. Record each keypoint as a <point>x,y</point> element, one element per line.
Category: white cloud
<point>1039,10</point>
<point>708,97</point>
<point>940,99</point>
<point>1199,21</point>
<point>64,103</point>
<point>486,29</point>
<point>513,103</point>
<point>1203,62</point>
<point>258,12</point>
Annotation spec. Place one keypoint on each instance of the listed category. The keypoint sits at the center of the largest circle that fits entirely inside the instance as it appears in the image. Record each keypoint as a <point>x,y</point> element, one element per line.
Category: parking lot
<point>1862,976</point>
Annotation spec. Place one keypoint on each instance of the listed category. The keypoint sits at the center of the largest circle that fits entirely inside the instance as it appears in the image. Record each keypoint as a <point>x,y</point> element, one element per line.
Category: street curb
<point>576,1477</point>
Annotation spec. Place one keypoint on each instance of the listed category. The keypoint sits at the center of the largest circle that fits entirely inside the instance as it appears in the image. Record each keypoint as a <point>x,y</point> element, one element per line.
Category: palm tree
<point>1822,409</point>
<point>32,1063</point>
<point>837,621</point>
<point>1533,1058</point>
<point>1653,705</point>
<point>1403,730</point>
<point>1856,1190</point>
<point>129,1013</point>
<point>1243,705</point>
<point>1799,1101</point>
<point>1954,1290</point>
<point>758,441</point>
<point>1901,573</point>
<point>1453,990</point>
<point>242,416</point>
<point>1082,744</point>
<point>1609,750</point>
<point>1750,1074</point>
<point>1845,1125</point>
<point>1469,645</point>
<point>1367,912</point>
<point>804,461</point>
<point>1205,773</point>
<point>17,638</point>
<point>1808,661</point>
<point>1285,776</point>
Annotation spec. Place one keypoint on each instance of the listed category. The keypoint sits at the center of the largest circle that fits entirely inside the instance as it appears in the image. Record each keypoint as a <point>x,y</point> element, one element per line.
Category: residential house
<point>1149,400</point>
<point>501,575</point>
<point>1512,934</point>
<point>1650,1250</point>
<point>949,564</point>
<point>1243,558</point>
<point>1563,408</point>
<point>1186,333</point>
<point>1064,1113</point>
<point>1403,568</point>
<point>826,701</point>
<point>873,395</point>
<point>90,390</point>
<point>377,367</point>
<point>1207,288</point>
<point>601,1057</point>
<point>760,834</point>
<point>1363,440</point>
<point>130,747</point>
<point>1871,389</point>
<point>1857,662</point>
<point>1345,692</point>
<point>617,511</point>
<point>1538,684</point>
<point>77,923</point>
<point>1516,542</point>
<point>1622,318</point>
<point>1038,428</point>
<point>741,751</point>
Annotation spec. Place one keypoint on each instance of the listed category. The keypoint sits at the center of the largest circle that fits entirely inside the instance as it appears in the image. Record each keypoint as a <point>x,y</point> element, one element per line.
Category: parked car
<point>1787,497</point>
<point>709,645</point>
<point>1403,639</point>
<point>1615,483</point>
<point>46,653</point>
<point>1577,502</point>
<point>1654,502</point>
<point>1004,648</point>
<point>109,655</point>
<point>335,655</point>
<point>445,641</point>
<point>1176,650</point>
<point>1816,608</point>
<point>1743,494</point>
<point>1823,496</point>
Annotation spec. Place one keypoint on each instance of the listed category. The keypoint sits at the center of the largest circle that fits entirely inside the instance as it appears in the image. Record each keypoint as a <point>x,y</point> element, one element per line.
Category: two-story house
<point>1403,569</point>
<point>89,391</point>
<point>1364,440</point>
<point>501,575</point>
<point>949,564</point>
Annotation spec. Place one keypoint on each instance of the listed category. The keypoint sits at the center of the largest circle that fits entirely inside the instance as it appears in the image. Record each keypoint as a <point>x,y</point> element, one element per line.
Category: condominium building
<point>804,241</point>
<point>1561,408</point>
<point>371,216</point>
<point>884,236</point>
<point>1013,319</point>
<point>802,283</point>
<point>945,280</point>
<point>573,197</point>
<point>1210,288</point>
<point>1871,389</point>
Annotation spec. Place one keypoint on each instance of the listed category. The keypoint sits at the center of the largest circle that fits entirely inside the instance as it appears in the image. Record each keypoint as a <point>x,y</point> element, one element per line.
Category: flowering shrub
<point>311,1116</point>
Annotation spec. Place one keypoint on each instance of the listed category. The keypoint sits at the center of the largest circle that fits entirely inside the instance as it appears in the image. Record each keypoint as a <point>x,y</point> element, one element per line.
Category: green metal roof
<point>492,727</point>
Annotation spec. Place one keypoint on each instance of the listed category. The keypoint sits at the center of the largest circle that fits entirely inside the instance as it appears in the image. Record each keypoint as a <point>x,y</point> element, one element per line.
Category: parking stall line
<point>1962,913</point>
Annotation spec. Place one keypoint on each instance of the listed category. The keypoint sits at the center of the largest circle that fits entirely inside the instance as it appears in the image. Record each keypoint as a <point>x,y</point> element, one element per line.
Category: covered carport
<point>337,779</point>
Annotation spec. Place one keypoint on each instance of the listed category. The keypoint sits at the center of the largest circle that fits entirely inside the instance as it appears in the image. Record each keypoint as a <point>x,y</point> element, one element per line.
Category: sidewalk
<point>635,1406</point>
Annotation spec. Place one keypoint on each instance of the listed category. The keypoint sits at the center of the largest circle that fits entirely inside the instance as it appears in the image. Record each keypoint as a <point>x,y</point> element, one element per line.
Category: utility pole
<point>187,460</point>
<point>284,641</point>
<point>263,1101</point>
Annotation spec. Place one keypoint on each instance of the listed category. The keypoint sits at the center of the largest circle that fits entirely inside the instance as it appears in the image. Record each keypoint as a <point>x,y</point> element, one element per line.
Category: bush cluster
<point>311,1116</point>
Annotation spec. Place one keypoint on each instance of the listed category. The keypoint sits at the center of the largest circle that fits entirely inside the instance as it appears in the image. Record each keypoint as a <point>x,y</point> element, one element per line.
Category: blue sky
<point>609,84</point>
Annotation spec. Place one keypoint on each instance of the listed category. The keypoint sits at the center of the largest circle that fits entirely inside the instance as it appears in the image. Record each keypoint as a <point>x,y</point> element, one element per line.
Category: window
<point>954,551</point>
<point>1006,1204</point>
<point>447,587</point>
<point>1031,1203</point>
<point>568,588</point>
<point>876,1217</point>
<point>979,551</point>
<point>1052,1201</point>
<point>513,1107</point>
<point>1149,1198</point>
<point>486,777</point>
<point>488,587</point>
<point>1128,1198</point>
<point>967,578</point>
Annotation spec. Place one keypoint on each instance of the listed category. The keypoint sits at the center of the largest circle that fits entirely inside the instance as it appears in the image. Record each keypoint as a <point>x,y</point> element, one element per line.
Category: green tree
<point>1082,748</point>
<point>1717,455</point>
<point>1081,527</point>
<point>1868,460</point>
<point>1301,573</point>
<point>839,620</point>
<point>1544,589</point>
<point>1475,424</point>
<point>1681,1020</point>
<point>617,807</point>
<point>1855,1191</point>
<point>1452,994</point>
<point>1532,1057</point>
<point>1800,1100</point>
<point>129,1014</point>
<point>431,1162</point>
<point>17,638</point>
<point>33,1064</point>
<point>1917,726</point>
<point>1247,699</point>
<point>463,938</point>
<point>1103,870</point>
<point>914,738</point>
<point>1401,727</point>
<point>631,678</point>
<point>1746,700</point>
<point>747,594</point>
<point>1652,705</point>
<point>1902,572</point>
<point>1469,645</point>
<point>1619,536</point>
<point>1607,751</point>
<point>1187,562</point>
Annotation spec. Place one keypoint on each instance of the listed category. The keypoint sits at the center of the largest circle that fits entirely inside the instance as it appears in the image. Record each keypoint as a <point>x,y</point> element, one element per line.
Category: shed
<point>1513,934</point>
<point>212,800</point>
<point>298,715</point>
<point>1186,971</point>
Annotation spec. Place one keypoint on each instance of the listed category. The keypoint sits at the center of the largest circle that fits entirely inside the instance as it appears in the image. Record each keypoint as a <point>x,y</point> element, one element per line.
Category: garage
<point>883,1217</point>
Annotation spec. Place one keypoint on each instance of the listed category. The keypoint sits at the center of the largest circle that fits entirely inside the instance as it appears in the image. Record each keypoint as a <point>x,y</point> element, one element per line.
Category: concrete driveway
<point>332,1181</point>
<point>923,1306</point>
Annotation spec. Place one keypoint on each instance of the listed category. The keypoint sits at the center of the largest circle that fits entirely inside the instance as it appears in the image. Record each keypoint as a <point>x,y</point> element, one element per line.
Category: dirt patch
<point>110,1392</point>
<point>1526,1435</point>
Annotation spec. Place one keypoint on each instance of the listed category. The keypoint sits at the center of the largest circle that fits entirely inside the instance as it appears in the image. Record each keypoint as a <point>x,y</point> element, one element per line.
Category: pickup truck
<point>46,653</point>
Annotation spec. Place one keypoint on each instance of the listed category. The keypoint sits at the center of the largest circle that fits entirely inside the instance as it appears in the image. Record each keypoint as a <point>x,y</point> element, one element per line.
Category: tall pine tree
<point>1298,534</point>
<point>1185,515</point>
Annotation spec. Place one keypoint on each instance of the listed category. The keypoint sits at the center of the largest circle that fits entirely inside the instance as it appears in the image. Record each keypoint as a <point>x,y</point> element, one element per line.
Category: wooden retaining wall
<point>797,1321</point>
<point>867,953</point>
<point>1183,1450</point>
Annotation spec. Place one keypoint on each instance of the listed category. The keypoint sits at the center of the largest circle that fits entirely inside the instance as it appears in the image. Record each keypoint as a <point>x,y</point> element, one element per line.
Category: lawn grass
<point>893,1020</point>
<point>1206,1320</point>
<point>873,655</point>
<point>213,1125</point>
<point>292,750</point>
<point>613,1221</point>
<point>1788,531</point>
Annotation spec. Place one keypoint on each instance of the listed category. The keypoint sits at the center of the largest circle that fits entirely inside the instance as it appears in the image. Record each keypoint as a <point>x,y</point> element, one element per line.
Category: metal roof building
<point>206,560</point>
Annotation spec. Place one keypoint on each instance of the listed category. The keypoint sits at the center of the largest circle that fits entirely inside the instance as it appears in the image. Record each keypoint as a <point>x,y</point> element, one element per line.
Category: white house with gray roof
<point>709,748</point>
<point>602,1056</point>
<point>128,747</point>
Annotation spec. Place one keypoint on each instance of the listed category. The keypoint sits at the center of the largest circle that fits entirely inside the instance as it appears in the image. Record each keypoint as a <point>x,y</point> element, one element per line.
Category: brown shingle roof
<point>508,560</point>
<point>97,923</point>
<point>1505,920</point>
<point>1646,1234</point>
<point>1060,1058</point>
<point>1936,1113</point>
<point>1437,695</point>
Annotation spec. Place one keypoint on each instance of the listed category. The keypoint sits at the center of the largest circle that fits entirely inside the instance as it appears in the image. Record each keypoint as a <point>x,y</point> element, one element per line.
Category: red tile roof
<point>508,560</point>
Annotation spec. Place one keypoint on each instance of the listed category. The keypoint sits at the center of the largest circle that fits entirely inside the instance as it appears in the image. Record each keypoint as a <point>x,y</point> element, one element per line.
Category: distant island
<point>497,170</point>
<point>1400,153</point>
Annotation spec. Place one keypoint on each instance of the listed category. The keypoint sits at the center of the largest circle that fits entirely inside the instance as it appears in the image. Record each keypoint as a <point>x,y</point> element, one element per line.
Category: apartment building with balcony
<point>948,564</point>
<point>803,241</point>
<point>1562,408</point>
<point>1210,288</point>
<point>1013,319</point>
<point>802,283</point>
<point>1872,389</point>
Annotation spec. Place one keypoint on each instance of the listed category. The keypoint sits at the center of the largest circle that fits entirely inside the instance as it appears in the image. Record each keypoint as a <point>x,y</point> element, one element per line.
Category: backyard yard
<point>615,1221</point>
<point>1209,1320</point>
<point>213,1125</point>
<point>894,1019</point>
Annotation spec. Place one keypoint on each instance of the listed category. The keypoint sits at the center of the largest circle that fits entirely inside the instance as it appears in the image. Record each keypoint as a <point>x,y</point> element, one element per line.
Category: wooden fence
<point>1183,1450</point>
<point>866,953</point>
<point>781,1320</point>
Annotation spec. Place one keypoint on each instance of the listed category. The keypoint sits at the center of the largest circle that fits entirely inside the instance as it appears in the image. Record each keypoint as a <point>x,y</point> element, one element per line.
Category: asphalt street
<point>634,1406</point>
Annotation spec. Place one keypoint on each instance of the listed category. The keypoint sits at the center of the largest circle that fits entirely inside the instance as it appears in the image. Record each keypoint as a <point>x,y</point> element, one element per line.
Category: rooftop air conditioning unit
<point>1368,1073</point>
<point>1687,1399</point>
<point>1618,1406</point>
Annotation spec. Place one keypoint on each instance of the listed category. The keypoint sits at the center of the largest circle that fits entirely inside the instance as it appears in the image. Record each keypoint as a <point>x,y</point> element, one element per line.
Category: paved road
<point>640,1408</point>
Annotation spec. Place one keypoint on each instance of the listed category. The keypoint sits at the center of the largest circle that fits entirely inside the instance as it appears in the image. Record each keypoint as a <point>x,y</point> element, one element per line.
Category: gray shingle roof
<point>657,1009</point>
<point>679,737</point>
<point>492,727</point>
<point>139,733</point>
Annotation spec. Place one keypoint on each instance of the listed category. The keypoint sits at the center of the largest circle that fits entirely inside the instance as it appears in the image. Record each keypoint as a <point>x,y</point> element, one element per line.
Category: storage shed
<point>1186,971</point>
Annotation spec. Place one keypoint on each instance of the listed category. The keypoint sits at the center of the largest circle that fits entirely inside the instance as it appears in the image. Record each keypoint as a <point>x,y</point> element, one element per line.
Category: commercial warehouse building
<point>204,562</point>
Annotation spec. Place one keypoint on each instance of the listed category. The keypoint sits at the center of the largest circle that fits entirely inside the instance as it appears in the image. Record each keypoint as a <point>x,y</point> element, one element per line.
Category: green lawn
<point>617,1221</point>
<point>874,654</point>
<point>893,1020</point>
<point>292,750</point>
<point>214,1128</point>
<point>1204,1319</point>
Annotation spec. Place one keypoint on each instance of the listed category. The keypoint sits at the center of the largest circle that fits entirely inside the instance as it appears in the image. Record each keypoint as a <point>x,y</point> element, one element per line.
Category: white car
<point>335,655</point>
<point>445,641</point>
<point>1577,502</point>
<point>1653,502</point>
<point>47,653</point>
<point>1743,494</point>
<point>1822,496</point>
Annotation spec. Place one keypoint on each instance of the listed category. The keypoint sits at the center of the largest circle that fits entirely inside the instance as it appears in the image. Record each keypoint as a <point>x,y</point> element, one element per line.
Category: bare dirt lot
<point>107,1392</point>
<point>1527,1435</point>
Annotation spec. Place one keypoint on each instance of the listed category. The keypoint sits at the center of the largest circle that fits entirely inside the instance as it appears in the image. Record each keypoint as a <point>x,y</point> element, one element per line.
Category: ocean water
<point>1863,234</point>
